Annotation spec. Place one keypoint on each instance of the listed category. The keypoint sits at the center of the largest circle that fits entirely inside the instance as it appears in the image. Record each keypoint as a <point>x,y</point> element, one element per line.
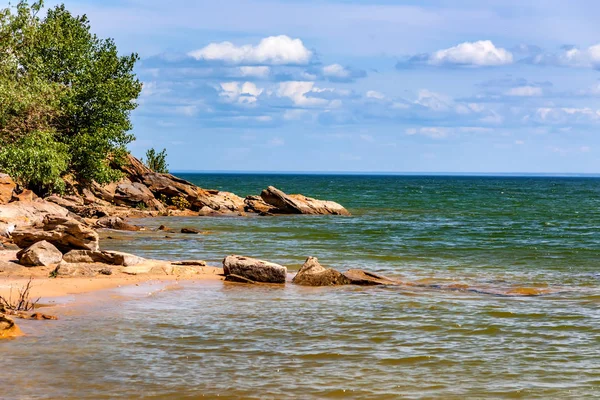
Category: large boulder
<point>40,254</point>
<point>361,277</point>
<point>254,270</point>
<point>299,204</point>
<point>27,213</point>
<point>7,187</point>
<point>105,257</point>
<point>63,232</point>
<point>8,328</point>
<point>257,205</point>
<point>314,274</point>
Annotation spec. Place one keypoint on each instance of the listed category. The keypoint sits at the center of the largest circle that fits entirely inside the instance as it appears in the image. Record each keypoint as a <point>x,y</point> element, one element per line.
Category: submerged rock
<point>314,274</point>
<point>8,328</point>
<point>361,277</point>
<point>254,269</point>
<point>192,231</point>
<point>40,254</point>
<point>63,232</point>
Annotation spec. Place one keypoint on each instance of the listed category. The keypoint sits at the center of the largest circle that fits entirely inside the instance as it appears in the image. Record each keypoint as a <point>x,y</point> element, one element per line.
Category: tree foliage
<point>157,162</point>
<point>58,80</point>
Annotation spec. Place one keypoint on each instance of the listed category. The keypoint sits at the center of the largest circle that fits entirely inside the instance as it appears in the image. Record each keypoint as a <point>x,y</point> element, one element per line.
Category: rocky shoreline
<point>56,236</point>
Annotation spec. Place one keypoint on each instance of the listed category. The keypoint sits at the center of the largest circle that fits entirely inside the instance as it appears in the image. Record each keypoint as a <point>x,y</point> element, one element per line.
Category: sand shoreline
<point>13,277</point>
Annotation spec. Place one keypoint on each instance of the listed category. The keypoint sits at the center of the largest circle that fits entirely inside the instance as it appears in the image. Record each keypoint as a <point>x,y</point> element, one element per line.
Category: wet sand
<point>14,277</point>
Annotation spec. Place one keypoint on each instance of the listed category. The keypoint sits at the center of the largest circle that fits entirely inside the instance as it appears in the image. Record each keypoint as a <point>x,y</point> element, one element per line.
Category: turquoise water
<point>465,246</point>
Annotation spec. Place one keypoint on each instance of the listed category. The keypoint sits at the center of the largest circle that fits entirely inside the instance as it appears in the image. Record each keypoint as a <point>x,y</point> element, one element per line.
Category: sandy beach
<point>13,277</point>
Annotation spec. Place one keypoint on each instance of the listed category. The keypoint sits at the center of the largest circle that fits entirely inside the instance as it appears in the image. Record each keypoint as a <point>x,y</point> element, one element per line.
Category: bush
<point>157,162</point>
<point>180,202</point>
<point>37,161</point>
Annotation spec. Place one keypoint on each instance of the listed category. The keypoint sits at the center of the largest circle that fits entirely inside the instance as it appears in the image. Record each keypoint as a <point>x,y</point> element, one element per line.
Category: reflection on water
<point>265,342</point>
<point>471,251</point>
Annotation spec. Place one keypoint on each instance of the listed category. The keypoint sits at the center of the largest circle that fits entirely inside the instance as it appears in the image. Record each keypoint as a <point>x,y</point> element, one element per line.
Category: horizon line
<point>393,173</point>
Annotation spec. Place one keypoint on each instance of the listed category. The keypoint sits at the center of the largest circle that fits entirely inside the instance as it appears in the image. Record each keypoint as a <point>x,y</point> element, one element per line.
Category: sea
<point>501,299</point>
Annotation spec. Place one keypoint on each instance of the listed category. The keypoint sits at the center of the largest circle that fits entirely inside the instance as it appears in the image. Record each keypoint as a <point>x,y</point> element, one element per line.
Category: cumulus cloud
<point>273,50</point>
<point>525,91</point>
<point>561,115</point>
<point>303,93</point>
<point>482,53</point>
<point>234,92</point>
<point>373,94</point>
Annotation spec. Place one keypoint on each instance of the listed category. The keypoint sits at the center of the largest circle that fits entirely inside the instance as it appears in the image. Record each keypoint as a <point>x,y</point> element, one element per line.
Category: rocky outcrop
<point>360,277</point>
<point>314,274</point>
<point>254,270</point>
<point>63,232</point>
<point>298,204</point>
<point>25,213</point>
<point>8,328</point>
<point>40,254</point>
<point>7,187</point>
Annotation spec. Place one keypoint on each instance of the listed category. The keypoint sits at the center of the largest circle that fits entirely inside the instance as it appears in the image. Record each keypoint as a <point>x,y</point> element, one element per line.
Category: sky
<point>366,86</point>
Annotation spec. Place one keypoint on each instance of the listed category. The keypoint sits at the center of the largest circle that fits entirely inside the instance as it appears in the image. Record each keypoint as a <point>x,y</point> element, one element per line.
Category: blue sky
<point>403,86</point>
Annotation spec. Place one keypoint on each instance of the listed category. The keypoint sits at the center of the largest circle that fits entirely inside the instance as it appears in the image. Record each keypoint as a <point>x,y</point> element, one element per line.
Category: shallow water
<point>465,247</point>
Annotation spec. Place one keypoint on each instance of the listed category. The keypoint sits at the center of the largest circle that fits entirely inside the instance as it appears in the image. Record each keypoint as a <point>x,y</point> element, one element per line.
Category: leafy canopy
<point>61,82</point>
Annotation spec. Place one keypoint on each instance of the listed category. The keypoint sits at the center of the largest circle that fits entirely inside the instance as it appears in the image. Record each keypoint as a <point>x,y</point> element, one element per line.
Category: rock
<point>135,193</point>
<point>40,254</point>
<point>238,279</point>
<point>257,205</point>
<point>164,228</point>
<point>253,269</point>
<point>105,271</point>
<point>39,316</point>
<point>360,277</point>
<point>69,269</point>
<point>8,328</point>
<point>200,263</point>
<point>105,257</point>
<point>299,204</point>
<point>24,213</point>
<point>190,231</point>
<point>314,274</point>
<point>6,230</point>
<point>7,187</point>
<point>116,223</point>
<point>136,270</point>
<point>63,232</point>
<point>25,195</point>
<point>72,203</point>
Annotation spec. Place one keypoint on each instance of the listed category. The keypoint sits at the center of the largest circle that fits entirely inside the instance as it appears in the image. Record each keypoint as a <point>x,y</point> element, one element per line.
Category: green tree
<point>36,161</point>
<point>63,79</point>
<point>157,162</point>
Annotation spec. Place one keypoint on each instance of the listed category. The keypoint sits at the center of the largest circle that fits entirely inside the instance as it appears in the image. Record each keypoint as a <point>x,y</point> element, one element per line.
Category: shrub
<point>37,161</point>
<point>180,202</point>
<point>157,162</point>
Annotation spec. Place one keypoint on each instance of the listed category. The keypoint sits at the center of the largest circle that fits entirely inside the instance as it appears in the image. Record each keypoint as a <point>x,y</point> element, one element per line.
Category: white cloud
<point>572,57</point>
<point>480,53</point>
<point>297,91</point>
<point>372,94</point>
<point>256,72</point>
<point>275,50</point>
<point>519,142</point>
<point>525,91</point>
<point>367,138</point>
<point>434,101</point>
<point>336,71</point>
<point>233,92</point>
<point>566,114</point>
<point>432,132</point>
